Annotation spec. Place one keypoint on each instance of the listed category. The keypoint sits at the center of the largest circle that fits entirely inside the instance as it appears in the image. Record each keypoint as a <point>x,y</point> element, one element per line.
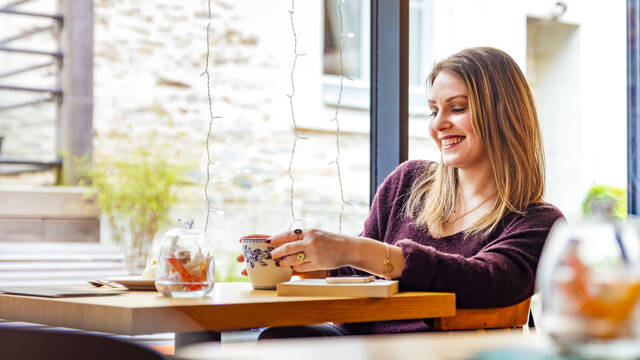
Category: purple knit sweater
<point>483,271</point>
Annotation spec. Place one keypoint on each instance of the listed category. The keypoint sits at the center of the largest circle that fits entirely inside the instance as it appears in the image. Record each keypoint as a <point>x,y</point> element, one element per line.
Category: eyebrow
<point>451,98</point>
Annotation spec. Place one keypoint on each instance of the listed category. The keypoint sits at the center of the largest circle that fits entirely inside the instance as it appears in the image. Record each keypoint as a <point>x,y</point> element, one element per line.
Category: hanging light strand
<point>343,202</point>
<point>211,119</point>
<point>293,115</point>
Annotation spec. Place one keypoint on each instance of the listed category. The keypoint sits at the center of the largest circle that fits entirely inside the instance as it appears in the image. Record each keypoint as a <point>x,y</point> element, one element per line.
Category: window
<point>148,79</point>
<point>559,46</point>
<point>352,32</point>
<point>148,60</point>
<point>357,14</point>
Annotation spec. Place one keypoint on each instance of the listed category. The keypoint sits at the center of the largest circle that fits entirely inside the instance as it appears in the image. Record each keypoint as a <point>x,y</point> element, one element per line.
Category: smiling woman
<point>473,224</point>
<point>485,124</point>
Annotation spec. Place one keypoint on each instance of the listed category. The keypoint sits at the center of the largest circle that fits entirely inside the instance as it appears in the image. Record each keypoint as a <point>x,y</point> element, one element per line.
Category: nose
<point>440,122</point>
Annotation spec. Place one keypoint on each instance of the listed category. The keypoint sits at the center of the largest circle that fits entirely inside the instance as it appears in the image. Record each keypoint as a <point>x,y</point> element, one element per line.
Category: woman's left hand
<point>321,250</point>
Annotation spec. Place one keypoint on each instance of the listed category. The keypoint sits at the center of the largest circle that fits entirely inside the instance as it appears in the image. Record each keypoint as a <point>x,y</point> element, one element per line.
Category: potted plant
<point>135,194</point>
<point>617,197</point>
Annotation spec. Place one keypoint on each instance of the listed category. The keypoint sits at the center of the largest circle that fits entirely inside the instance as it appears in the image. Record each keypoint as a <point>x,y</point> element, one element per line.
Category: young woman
<point>473,223</point>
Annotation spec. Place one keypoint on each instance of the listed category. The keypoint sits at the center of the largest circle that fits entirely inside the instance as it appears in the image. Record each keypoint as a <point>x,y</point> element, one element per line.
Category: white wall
<point>459,24</point>
<point>601,88</point>
<point>553,70</point>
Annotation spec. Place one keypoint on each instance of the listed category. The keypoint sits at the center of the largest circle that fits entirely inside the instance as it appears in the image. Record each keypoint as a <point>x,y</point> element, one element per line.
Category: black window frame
<point>633,101</point>
<point>389,137</point>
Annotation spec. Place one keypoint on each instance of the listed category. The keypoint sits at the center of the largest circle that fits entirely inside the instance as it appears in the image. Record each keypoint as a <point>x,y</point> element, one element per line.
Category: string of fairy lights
<point>211,119</point>
<point>296,136</point>
<point>291,96</point>
<point>343,202</point>
<point>336,119</point>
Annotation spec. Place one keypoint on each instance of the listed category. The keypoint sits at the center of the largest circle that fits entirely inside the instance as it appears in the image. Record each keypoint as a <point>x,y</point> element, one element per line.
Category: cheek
<point>465,124</point>
<point>433,133</point>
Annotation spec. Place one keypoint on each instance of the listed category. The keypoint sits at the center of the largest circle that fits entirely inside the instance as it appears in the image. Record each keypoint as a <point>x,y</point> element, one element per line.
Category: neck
<point>477,181</point>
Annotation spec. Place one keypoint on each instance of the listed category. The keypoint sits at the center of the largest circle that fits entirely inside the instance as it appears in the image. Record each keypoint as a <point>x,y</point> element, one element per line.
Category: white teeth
<point>451,141</point>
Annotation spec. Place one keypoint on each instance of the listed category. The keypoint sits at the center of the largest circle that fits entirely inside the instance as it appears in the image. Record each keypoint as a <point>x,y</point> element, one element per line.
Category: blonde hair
<point>504,118</point>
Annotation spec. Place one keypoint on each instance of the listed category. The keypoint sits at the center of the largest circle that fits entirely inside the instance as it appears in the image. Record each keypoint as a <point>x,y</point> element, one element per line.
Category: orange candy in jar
<point>589,282</point>
<point>185,266</point>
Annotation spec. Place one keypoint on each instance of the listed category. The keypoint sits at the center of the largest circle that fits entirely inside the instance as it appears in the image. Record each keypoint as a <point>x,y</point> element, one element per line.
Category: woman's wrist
<point>370,255</point>
<point>351,251</point>
<point>359,252</point>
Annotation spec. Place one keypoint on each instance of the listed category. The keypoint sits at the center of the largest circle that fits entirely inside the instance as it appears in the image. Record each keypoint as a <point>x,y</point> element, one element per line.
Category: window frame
<point>633,102</point>
<point>389,139</point>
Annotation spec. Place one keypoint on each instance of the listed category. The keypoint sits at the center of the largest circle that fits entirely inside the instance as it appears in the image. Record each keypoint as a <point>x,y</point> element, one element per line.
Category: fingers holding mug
<point>287,236</point>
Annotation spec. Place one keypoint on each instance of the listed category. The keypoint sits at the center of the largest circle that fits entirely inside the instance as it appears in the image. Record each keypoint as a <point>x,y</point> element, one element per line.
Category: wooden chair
<point>491,318</point>
<point>33,343</point>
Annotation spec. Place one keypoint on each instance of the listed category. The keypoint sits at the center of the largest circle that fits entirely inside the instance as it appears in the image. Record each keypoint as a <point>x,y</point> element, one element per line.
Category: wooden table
<point>438,346</point>
<point>230,306</point>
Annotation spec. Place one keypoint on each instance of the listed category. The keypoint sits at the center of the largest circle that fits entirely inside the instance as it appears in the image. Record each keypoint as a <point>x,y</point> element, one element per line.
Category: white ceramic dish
<point>135,283</point>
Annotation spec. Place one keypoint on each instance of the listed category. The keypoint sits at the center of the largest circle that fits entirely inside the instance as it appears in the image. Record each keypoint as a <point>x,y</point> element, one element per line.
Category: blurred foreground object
<point>605,193</point>
<point>589,278</point>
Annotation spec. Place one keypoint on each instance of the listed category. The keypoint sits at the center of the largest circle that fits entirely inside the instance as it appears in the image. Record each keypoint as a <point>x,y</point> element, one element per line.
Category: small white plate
<point>135,283</point>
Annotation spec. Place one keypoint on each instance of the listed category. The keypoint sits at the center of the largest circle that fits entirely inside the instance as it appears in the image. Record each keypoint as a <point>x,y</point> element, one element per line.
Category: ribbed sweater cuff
<point>417,258</point>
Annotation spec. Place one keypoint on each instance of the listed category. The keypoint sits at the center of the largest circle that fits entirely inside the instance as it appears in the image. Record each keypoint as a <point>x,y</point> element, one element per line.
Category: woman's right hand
<point>320,274</point>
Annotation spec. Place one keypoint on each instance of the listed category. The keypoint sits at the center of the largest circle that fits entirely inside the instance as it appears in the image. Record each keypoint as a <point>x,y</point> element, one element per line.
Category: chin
<point>451,162</point>
<point>462,163</point>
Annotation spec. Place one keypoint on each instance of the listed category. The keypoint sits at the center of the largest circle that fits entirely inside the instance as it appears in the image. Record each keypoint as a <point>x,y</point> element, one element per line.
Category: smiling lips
<point>450,141</point>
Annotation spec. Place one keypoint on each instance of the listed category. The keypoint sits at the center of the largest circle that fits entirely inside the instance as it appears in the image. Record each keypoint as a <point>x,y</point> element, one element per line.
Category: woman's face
<point>450,124</point>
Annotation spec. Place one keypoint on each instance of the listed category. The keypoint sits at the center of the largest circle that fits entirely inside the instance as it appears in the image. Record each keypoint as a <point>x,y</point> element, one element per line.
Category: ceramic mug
<point>262,270</point>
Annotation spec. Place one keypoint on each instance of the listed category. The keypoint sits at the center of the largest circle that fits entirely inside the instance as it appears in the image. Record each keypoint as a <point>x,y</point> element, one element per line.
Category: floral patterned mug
<point>262,270</point>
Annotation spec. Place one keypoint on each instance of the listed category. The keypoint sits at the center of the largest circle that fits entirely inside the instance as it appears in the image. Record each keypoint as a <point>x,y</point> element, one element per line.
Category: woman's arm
<point>389,199</point>
<point>502,273</point>
<point>353,255</point>
<point>324,250</point>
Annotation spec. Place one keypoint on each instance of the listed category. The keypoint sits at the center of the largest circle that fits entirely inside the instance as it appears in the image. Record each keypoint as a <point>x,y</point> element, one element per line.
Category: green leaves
<point>135,193</point>
<point>607,193</point>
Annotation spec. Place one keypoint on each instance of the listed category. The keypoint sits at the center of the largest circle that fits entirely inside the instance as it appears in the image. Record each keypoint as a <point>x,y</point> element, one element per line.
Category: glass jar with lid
<point>589,281</point>
<point>185,265</point>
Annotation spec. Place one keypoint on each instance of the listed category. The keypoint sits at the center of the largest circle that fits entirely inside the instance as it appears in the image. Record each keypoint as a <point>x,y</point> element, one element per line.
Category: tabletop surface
<point>230,306</point>
<point>511,344</point>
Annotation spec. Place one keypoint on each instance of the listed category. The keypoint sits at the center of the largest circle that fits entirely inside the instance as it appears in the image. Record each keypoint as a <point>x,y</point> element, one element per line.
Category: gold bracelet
<point>388,268</point>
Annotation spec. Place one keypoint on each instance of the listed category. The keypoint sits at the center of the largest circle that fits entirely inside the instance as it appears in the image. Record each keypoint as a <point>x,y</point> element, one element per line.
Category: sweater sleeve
<point>502,273</point>
<point>373,224</point>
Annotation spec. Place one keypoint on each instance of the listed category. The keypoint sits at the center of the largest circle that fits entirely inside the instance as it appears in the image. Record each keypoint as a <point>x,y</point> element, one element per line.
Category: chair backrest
<point>490,318</point>
<point>29,343</point>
